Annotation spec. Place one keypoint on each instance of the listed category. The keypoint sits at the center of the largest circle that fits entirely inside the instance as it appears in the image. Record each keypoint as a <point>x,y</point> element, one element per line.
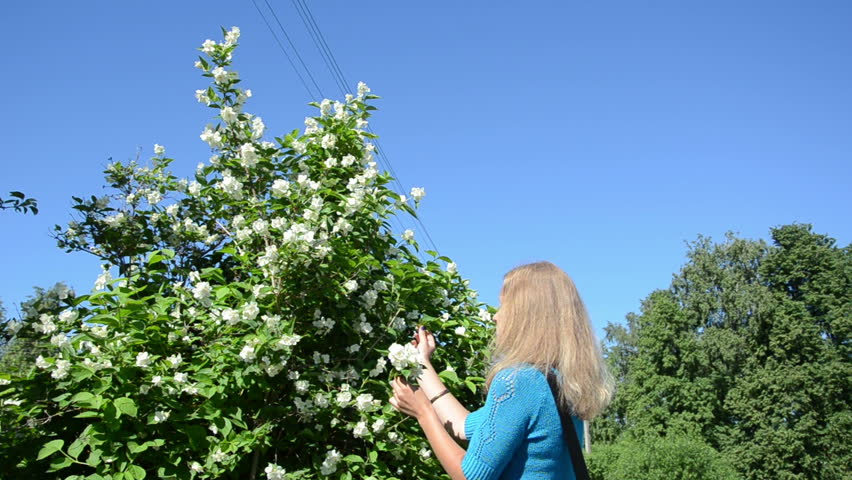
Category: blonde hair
<point>542,321</point>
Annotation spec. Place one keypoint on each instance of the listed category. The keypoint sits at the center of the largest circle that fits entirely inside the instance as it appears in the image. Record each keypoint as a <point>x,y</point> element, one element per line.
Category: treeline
<point>740,369</point>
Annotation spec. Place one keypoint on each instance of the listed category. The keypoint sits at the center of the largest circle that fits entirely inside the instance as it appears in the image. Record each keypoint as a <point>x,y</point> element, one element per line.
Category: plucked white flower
<point>143,359</point>
<point>228,114</point>
<point>161,416</point>
<point>159,149</point>
<point>247,354</point>
<point>417,193</point>
<point>403,356</point>
<point>274,472</point>
<point>174,360</point>
<point>248,155</point>
<point>460,331</point>
<point>408,235</point>
<point>360,430</point>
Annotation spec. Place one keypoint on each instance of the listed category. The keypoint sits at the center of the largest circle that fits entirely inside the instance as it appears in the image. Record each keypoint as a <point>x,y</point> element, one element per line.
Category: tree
<point>19,203</point>
<point>748,349</point>
<point>247,320</point>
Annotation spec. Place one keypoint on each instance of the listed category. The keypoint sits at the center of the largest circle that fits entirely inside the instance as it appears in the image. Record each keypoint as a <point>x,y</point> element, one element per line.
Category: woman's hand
<point>409,400</point>
<point>425,343</point>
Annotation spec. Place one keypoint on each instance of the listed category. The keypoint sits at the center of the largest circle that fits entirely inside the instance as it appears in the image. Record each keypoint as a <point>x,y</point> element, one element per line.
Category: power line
<point>293,47</point>
<point>341,78</point>
<point>281,46</point>
<point>315,38</point>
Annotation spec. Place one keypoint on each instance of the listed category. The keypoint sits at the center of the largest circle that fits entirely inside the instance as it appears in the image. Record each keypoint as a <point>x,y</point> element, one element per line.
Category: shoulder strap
<point>570,433</point>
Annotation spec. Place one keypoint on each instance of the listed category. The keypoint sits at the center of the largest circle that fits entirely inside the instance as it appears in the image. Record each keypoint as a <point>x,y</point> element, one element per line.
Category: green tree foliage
<point>749,351</point>
<point>19,203</point>
<point>20,342</point>
<point>675,457</point>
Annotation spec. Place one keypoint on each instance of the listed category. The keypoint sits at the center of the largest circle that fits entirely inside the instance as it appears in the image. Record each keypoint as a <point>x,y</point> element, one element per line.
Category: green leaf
<point>137,472</point>
<point>49,448</point>
<point>470,385</point>
<point>353,459</point>
<point>58,463</point>
<point>374,456</point>
<point>76,448</point>
<point>449,376</point>
<point>125,406</point>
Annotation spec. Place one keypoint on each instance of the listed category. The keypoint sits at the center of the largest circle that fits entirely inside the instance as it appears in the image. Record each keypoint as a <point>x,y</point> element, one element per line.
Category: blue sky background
<point>598,135</point>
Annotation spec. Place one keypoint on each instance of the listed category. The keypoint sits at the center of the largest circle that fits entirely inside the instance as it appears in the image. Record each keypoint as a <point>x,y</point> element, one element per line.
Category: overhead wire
<point>295,50</point>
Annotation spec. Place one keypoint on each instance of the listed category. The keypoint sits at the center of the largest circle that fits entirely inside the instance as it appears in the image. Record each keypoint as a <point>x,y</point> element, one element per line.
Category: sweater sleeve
<point>496,430</point>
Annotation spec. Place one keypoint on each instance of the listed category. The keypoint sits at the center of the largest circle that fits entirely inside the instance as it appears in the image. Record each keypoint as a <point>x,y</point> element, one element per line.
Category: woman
<point>542,326</point>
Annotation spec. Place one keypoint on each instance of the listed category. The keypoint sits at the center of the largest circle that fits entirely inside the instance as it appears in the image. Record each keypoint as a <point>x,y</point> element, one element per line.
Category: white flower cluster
<point>404,356</point>
<point>274,472</point>
<point>329,465</point>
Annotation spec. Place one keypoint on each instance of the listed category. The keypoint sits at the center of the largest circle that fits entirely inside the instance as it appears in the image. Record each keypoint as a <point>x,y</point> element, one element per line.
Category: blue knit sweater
<point>517,434</point>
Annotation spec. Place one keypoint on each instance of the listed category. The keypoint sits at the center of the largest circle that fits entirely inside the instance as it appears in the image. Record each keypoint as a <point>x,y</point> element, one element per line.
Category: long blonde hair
<point>542,321</point>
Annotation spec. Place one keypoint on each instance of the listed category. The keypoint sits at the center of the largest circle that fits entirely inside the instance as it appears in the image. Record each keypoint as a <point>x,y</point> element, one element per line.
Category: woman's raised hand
<point>425,343</point>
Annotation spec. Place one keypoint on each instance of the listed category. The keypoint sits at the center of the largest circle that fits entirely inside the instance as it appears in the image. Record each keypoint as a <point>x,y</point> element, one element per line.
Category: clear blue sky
<point>598,135</point>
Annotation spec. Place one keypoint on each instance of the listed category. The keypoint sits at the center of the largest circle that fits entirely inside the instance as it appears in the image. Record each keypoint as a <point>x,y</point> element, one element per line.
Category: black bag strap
<point>569,432</point>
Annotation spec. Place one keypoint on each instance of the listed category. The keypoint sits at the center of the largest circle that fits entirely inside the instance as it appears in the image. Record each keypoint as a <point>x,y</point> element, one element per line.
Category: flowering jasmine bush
<point>246,321</point>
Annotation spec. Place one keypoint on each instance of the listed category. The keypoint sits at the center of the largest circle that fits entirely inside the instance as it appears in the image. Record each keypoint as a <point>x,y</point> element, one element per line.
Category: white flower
<point>350,286</point>
<point>228,114</point>
<point>379,425</point>
<point>201,96</point>
<point>347,160</point>
<point>231,186</point>
<point>248,155</point>
<point>403,356</point>
<point>325,107</point>
<point>62,367</point>
<point>220,75</point>
<point>9,401</point>
<point>369,297</point>
<point>425,452</point>
<point>211,137</point>
<point>208,46</point>
<point>5,381</point>
<point>354,348</point>
<point>60,340</point>
<point>452,267</point>
<point>280,188</point>
<point>181,377</point>
<point>196,467</point>
<point>41,362</point>
<point>329,140</point>
<point>329,465</point>
<point>68,316</point>
<point>247,353</point>
<point>143,359</point>
<point>363,89</point>
<point>364,402</point>
<point>201,291</point>
<point>360,430</point>
<point>159,149</point>
<point>232,36</point>
<point>257,127</point>
<point>230,316</point>
<point>460,331</point>
<point>343,398</point>
<point>250,311</point>
<point>15,326</point>
<point>301,386</point>
<point>417,193</point>
<point>154,197</point>
<point>161,416</point>
<point>174,360</point>
<point>274,472</point>
<point>408,235</point>
<point>484,315</point>
<point>380,367</point>
<point>194,188</point>
<point>218,456</point>
<point>156,380</point>
<point>103,279</point>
